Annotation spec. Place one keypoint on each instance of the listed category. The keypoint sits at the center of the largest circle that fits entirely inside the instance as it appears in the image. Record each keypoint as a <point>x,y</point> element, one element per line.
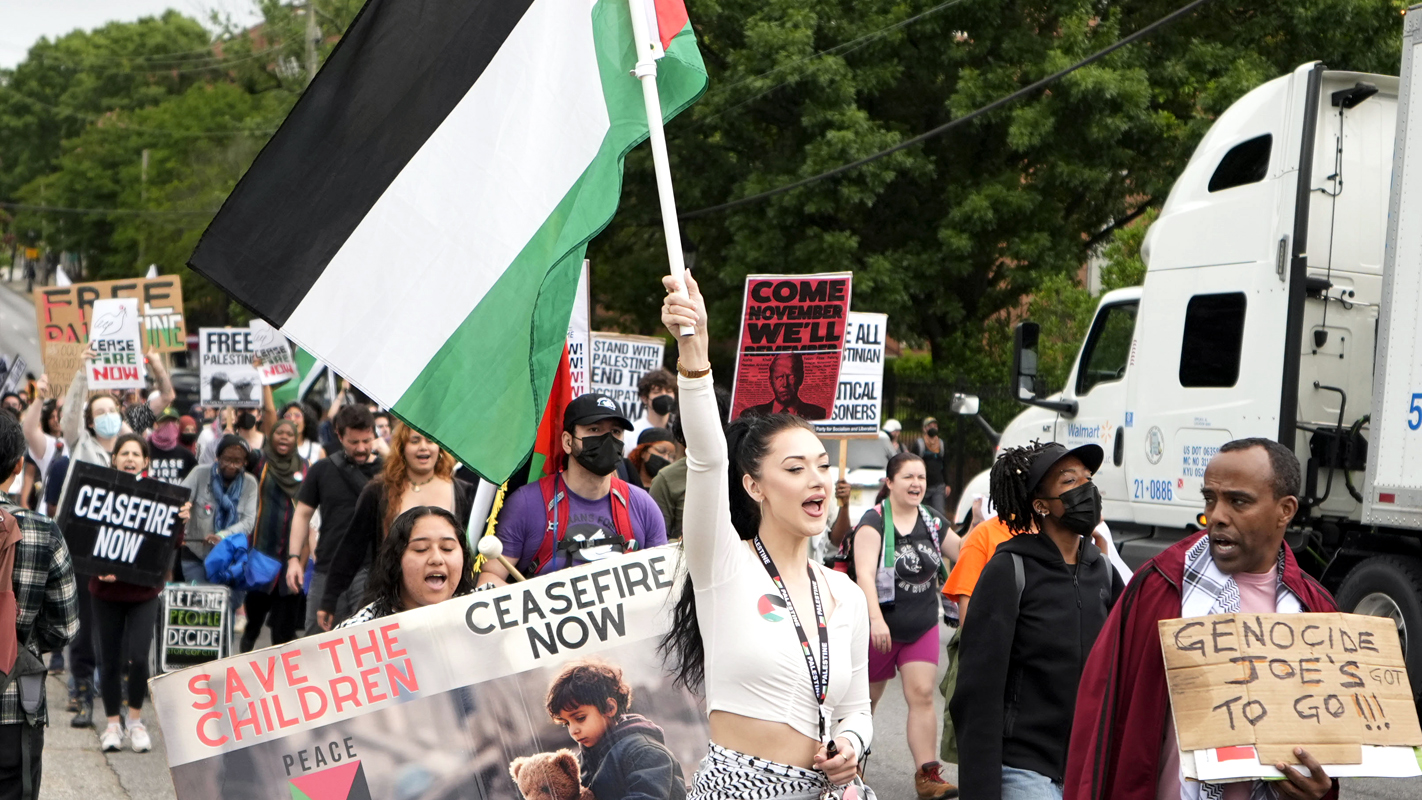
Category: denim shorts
<point>1024,784</point>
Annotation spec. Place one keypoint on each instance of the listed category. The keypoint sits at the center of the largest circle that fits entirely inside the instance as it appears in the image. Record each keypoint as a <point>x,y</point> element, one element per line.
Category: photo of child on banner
<point>791,343</point>
<point>118,524</point>
<point>225,372</point>
<point>114,340</point>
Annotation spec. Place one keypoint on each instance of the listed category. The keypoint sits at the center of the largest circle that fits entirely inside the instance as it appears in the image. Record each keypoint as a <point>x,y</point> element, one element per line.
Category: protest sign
<point>1329,683</point>
<point>195,625</point>
<point>579,333</point>
<point>64,313</point>
<point>118,524</point>
<point>448,696</point>
<point>792,335</point>
<point>118,352</point>
<point>226,376</point>
<point>620,360</point>
<point>858,402</point>
<point>10,381</point>
<point>62,361</point>
<point>278,366</point>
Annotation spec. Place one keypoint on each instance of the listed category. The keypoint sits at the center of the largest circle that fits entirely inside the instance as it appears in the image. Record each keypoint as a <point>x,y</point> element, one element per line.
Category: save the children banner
<point>619,360</point>
<point>118,524</point>
<point>114,338</point>
<point>1252,687</point>
<point>64,313</point>
<point>278,365</point>
<point>859,400</point>
<point>446,701</point>
<point>792,335</point>
<point>226,376</point>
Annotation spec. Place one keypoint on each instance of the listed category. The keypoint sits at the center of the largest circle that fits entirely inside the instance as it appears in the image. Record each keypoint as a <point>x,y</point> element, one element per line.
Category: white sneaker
<point>111,740</point>
<point>138,737</point>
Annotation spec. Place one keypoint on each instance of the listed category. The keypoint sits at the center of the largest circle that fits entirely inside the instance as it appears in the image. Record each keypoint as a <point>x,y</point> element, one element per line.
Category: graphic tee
<point>523,522</point>
<point>170,466</point>
<point>914,611</point>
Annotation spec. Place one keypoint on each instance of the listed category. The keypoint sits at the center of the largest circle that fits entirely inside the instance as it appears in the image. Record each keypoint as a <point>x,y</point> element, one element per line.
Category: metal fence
<point>911,400</point>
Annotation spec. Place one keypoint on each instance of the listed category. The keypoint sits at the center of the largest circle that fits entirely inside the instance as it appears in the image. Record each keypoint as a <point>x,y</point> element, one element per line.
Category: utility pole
<point>143,203</point>
<point>313,35</point>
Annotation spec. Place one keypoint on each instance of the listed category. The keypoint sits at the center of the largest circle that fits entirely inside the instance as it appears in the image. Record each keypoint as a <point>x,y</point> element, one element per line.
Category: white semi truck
<point>1282,299</point>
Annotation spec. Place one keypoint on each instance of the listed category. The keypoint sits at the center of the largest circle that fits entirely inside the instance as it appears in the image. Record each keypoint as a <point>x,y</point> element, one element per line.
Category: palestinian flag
<point>419,220</point>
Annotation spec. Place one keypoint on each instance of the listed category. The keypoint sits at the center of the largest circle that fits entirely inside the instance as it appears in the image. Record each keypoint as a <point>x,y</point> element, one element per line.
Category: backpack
<point>555,492</point>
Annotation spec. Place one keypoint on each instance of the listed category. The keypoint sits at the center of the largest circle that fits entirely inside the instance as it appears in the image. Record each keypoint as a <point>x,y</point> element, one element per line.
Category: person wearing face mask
<point>1037,609</point>
<point>171,461</point>
<point>930,449</point>
<point>583,512</point>
<point>188,433</point>
<point>657,391</point>
<point>655,450</point>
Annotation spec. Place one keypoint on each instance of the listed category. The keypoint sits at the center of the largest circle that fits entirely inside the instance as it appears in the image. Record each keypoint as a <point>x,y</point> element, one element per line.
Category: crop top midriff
<point>754,663</point>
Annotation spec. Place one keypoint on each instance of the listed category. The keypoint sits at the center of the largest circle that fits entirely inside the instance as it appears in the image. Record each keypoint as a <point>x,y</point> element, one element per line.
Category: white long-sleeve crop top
<point>754,664</point>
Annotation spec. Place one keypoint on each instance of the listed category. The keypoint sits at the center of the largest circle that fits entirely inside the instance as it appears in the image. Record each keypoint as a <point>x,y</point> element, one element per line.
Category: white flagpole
<point>646,73</point>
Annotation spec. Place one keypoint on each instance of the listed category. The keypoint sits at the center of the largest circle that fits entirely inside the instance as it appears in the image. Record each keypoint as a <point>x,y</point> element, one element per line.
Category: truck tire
<point>1390,586</point>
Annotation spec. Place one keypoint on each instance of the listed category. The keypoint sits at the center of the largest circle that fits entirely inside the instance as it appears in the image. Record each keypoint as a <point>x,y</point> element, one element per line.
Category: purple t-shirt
<point>523,522</point>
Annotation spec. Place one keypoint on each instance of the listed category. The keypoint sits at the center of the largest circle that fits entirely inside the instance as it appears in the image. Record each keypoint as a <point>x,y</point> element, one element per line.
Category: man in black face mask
<point>584,512</point>
<point>1036,610</point>
<point>657,391</point>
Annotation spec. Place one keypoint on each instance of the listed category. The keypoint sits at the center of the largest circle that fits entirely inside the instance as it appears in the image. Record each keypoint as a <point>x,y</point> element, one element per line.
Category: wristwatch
<point>692,373</point>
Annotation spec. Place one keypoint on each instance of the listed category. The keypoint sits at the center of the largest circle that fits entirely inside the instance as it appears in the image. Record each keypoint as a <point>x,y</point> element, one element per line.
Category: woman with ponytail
<point>780,643</point>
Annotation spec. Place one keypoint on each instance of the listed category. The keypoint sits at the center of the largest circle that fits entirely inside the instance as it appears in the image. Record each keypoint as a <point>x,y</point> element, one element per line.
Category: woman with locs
<point>781,643</point>
<point>1038,606</point>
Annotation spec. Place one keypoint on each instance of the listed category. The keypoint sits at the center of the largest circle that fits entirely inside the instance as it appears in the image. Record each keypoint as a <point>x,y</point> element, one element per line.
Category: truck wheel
<point>1390,586</point>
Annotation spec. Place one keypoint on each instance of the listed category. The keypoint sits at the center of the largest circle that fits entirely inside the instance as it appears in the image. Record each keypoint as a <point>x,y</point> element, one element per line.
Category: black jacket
<point>1019,669</point>
<point>632,761</point>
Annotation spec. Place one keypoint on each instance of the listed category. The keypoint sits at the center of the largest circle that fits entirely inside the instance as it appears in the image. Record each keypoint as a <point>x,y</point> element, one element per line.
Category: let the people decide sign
<point>117,524</point>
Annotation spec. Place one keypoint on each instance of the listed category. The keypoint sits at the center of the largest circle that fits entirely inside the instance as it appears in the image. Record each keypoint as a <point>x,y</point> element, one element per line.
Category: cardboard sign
<point>117,524</point>
<point>858,403</point>
<point>195,623</point>
<point>278,366</point>
<point>114,338</point>
<point>64,313</point>
<point>226,376</point>
<point>579,336</point>
<point>452,693</point>
<point>14,375</point>
<point>792,338</point>
<point>618,362</point>
<point>1330,683</point>
<point>62,361</point>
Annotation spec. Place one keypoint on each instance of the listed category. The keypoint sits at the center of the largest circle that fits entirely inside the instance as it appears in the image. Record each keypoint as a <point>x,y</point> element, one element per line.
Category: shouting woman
<point>424,560</point>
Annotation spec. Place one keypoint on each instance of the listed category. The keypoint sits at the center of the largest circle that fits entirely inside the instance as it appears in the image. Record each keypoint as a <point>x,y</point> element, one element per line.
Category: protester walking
<point>224,499</point>
<point>655,451</point>
<point>583,512</point>
<point>899,550</point>
<point>931,449</point>
<point>424,560</point>
<point>278,481</point>
<point>125,618</point>
<point>308,425</point>
<point>1037,609</point>
<point>332,487</point>
<point>781,643</point>
<point>1123,743</point>
<point>169,460</point>
<point>417,473</point>
<point>35,566</point>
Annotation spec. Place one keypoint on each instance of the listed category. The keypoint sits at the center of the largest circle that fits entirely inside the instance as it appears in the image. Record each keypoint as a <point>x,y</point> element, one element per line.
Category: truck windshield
<point>1107,347</point>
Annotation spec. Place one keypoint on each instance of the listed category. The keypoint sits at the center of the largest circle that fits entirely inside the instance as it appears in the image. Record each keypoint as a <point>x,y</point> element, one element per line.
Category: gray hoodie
<point>199,481</point>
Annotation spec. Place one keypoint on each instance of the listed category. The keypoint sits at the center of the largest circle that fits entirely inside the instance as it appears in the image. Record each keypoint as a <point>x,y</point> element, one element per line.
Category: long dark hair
<point>895,465</point>
<point>386,574</point>
<point>1008,489</point>
<point>748,442</point>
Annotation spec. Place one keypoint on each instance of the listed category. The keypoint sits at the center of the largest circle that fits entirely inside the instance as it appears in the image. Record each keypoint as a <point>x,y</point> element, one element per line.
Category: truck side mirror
<point>964,404</point>
<point>1024,370</point>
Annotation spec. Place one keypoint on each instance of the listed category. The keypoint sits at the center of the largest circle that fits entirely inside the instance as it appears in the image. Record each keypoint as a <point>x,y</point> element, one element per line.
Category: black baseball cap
<point>1090,454</point>
<point>593,407</point>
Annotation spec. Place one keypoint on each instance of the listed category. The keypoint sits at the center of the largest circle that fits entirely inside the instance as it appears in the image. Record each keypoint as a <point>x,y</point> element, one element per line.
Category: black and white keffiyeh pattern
<point>1207,590</point>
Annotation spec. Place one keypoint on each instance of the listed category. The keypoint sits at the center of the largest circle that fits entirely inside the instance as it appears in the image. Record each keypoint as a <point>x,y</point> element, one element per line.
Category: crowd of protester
<point>368,518</point>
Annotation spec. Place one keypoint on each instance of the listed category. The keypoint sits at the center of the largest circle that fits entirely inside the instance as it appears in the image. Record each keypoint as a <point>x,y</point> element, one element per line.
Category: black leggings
<point>111,621</point>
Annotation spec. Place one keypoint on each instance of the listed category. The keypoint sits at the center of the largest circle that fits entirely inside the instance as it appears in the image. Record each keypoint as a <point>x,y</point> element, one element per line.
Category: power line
<point>156,212</point>
<point>219,63</point>
<point>944,128</point>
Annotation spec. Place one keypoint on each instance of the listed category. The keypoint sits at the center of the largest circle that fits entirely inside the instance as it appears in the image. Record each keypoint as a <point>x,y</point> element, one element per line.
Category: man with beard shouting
<point>584,512</point>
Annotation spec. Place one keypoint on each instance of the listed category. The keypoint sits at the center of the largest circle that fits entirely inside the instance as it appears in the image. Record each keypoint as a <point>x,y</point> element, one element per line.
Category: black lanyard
<point>819,672</point>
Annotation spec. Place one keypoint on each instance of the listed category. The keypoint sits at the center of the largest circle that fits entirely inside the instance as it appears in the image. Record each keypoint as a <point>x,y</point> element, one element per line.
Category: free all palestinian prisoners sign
<point>1329,683</point>
<point>117,524</point>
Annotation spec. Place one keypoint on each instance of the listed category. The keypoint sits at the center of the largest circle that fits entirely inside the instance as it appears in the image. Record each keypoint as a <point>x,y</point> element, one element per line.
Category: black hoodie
<point>632,761</point>
<point>1019,669</point>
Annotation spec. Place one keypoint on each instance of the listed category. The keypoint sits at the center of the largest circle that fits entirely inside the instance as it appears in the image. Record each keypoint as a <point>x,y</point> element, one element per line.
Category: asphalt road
<point>17,326</point>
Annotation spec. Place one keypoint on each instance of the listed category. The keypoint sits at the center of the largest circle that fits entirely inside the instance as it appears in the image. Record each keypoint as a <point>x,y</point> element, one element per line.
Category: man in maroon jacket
<point>1123,744</point>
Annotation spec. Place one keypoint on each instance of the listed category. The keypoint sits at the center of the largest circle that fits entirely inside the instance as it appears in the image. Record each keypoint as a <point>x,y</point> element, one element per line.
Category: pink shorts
<point>883,666</point>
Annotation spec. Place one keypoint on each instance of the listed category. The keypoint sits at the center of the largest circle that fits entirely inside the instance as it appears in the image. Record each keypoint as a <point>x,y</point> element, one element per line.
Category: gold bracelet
<point>691,373</point>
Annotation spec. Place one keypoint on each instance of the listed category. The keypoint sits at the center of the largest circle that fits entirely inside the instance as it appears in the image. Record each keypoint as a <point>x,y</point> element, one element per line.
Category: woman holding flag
<point>781,643</point>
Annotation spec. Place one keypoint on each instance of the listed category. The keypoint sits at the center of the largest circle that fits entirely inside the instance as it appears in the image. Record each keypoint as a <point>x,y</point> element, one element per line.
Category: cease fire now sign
<point>1328,683</point>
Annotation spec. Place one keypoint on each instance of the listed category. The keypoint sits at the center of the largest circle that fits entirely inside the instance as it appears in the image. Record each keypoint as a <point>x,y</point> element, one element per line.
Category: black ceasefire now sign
<point>117,524</point>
